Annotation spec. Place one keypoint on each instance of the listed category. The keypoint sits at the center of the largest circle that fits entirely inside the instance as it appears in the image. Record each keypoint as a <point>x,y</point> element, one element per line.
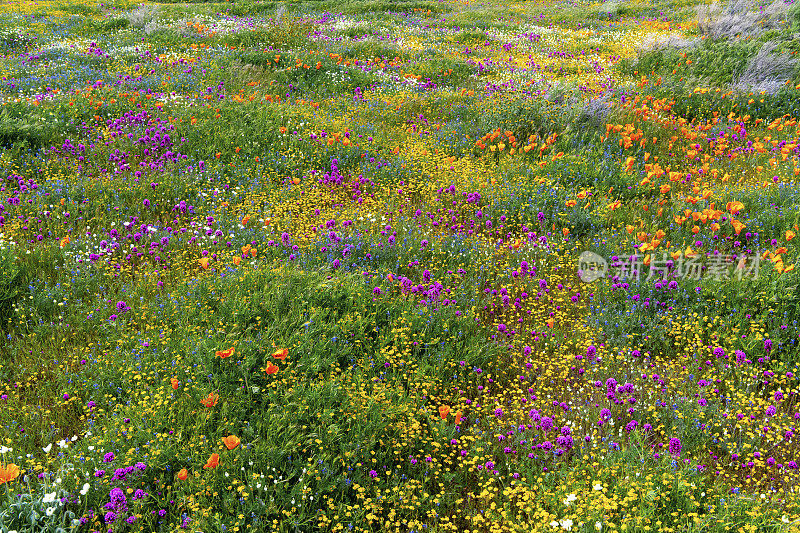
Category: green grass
<point>324,191</point>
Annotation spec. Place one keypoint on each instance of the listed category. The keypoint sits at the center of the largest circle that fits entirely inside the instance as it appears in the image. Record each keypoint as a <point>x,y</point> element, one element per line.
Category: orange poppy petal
<point>225,353</point>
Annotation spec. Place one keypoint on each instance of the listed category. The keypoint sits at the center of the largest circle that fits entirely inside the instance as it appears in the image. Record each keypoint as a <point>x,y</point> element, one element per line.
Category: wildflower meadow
<point>399,265</point>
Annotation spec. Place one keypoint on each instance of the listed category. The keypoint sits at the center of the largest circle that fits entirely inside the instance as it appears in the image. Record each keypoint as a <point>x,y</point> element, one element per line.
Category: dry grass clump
<point>767,71</point>
<point>740,19</point>
<point>142,16</point>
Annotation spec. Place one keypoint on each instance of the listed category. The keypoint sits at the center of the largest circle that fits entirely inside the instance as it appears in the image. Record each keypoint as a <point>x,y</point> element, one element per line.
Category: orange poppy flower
<point>224,354</point>
<point>175,383</point>
<point>734,207</point>
<point>789,235</point>
<point>236,260</point>
<point>231,441</point>
<point>213,461</point>
<point>211,401</point>
<point>444,410</point>
<point>280,354</point>
<point>270,369</point>
<point>203,262</point>
<point>8,473</point>
<point>458,417</point>
<point>183,474</point>
<point>65,241</point>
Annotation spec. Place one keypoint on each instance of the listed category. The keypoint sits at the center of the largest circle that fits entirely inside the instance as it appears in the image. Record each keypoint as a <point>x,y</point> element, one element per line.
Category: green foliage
<point>468,36</point>
<point>31,513</point>
<point>20,127</point>
<point>12,279</point>
<point>252,9</point>
<point>794,18</point>
<point>114,24</point>
<point>282,36</point>
<point>418,272</point>
<point>422,7</point>
<point>13,39</point>
<point>446,72</point>
<point>372,50</point>
<point>716,63</point>
<point>82,10</point>
<point>328,80</point>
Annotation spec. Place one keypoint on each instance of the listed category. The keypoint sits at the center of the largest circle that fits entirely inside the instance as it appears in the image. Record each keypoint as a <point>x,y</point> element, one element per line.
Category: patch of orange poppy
<point>213,461</point>
<point>10,472</point>
<point>211,401</point>
<point>231,442</point>
<point>224,354</point>
<point>734,207</point>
